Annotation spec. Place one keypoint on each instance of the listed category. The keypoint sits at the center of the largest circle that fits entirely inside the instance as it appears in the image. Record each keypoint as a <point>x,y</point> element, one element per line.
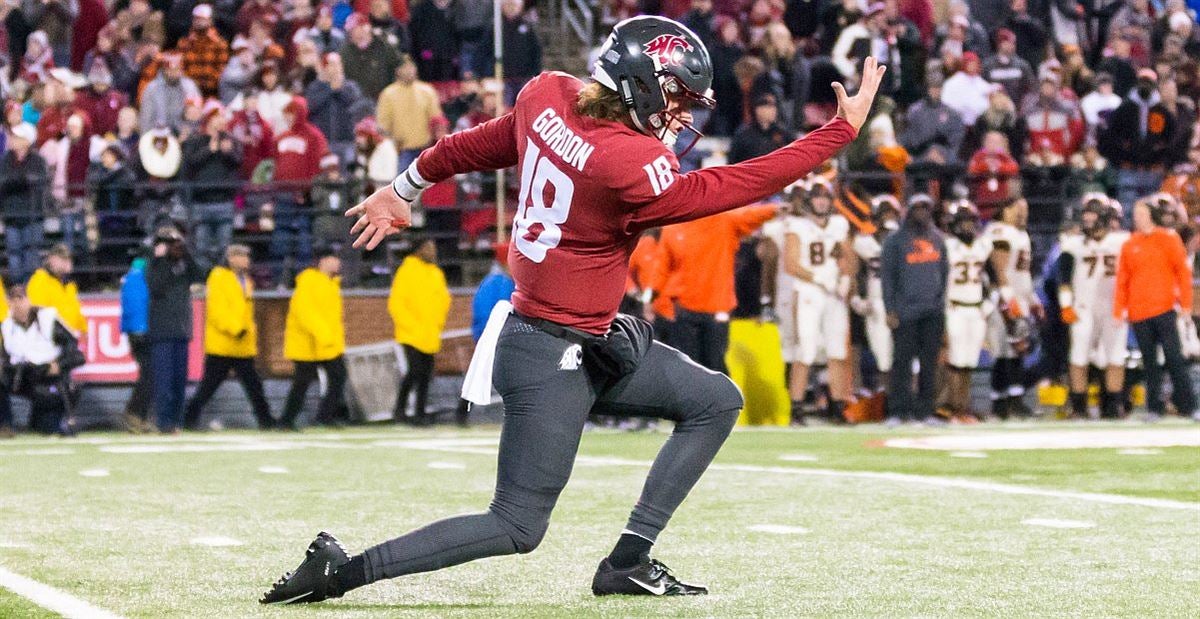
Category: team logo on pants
<point>572,358</point>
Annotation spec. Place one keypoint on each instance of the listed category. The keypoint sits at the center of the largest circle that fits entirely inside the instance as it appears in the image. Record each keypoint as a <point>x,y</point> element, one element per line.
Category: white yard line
<point>50,598</point>
<point>450,446</point>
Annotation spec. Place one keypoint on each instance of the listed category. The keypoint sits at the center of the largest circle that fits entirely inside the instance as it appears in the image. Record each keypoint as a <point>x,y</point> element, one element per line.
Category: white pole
<point>498,53</point>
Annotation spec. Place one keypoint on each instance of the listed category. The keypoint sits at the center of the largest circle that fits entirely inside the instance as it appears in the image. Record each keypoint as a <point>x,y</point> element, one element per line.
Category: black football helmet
<point>818,187</point>
<point>964,220</point>
<point>648,60</point>
<point>1164,210</point>
<point>886,208</point>
<point>1101,206</point>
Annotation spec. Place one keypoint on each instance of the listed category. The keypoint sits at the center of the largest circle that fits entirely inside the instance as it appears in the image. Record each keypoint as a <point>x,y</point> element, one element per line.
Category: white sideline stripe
<point>968,454</point>
<point>222,438</point>
<point>1056,523</point>
<point>777,529</point>
<point>908,478</point>
<point>94,472</point>
<point>52,599</point>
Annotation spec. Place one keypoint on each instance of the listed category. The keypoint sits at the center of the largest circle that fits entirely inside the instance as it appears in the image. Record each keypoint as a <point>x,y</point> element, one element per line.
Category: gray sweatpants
<point>547,398</point>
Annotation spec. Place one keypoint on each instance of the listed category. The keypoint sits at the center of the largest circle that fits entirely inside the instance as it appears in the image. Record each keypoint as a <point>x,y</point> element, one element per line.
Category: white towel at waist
<point>477,385</point>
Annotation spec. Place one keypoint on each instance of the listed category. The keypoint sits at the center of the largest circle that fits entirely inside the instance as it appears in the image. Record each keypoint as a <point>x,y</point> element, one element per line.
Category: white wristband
<point>409,184</point>
<point>1065,297</point>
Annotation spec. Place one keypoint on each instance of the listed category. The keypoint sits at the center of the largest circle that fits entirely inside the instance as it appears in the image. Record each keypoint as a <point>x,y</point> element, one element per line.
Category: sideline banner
<point>107,349</point>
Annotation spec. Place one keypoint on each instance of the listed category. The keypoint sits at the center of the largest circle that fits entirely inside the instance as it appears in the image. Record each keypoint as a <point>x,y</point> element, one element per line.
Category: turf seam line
<point>52,599</point>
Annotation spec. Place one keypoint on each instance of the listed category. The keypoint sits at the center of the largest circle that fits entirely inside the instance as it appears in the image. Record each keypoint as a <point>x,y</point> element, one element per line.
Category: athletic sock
<point>837,411</point>
<point>1079,404</point>
<point>1111,407</point>
<point>352,575</point>
<point>630,550</point>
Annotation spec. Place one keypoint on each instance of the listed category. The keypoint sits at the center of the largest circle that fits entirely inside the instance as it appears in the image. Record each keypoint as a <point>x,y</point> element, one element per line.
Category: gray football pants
<point>545,407</point>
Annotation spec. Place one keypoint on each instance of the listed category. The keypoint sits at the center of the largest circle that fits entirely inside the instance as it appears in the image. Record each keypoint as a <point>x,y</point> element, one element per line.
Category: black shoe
<point>311,582</point>
<point>647,578</point>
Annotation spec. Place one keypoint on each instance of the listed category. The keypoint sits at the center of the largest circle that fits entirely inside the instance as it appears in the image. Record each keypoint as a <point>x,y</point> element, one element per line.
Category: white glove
<point>861,306</point>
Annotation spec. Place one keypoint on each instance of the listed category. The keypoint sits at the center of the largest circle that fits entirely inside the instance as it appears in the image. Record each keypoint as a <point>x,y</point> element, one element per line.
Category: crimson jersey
<point>588,189</point>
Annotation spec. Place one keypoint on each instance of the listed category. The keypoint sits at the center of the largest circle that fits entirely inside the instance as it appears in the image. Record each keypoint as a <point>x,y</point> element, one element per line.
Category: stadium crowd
<point>237,131</point>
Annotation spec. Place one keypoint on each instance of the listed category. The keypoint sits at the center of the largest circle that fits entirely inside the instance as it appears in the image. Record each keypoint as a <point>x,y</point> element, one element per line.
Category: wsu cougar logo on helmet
<point>667,49</point>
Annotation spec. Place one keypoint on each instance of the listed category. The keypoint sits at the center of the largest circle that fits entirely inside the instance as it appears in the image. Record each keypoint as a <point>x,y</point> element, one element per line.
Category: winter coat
<point>229,327</point>
<point>419,304</point>
<point>46,290</point>
<point>314,330</point>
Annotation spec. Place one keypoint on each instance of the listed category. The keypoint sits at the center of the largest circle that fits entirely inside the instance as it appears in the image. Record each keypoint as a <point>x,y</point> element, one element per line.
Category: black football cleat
<point>312,580</point>
<point>647,578</point>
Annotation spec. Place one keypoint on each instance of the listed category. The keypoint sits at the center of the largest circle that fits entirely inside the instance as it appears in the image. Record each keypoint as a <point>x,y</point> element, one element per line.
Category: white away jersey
<point>1020,253</point>
<point>967,265</point>
<point>869,250</point>
<point>818,245</point>
<point>1094,276</point>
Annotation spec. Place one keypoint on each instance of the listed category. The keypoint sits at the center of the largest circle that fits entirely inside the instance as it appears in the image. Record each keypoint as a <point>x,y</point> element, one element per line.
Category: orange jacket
<point>1152,276</point>
<point>645,266</point>
<point>697,257</point>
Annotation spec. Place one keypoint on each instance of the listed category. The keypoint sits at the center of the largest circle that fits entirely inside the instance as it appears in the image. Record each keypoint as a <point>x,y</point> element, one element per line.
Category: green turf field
<point>810,522</point>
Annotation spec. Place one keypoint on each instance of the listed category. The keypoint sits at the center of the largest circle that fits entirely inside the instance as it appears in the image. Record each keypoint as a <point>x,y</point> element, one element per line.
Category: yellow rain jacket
<point>3,299</point>
<point>419,304</point>
<point>229,329</point>
<point>45,290</point>
<point>314,329</point>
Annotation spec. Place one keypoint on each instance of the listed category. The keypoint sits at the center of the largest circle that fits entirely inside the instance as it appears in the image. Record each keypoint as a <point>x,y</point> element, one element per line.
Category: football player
<point>967,306</point>
<point>596,168</point>
<point>816,253</point>
<point>1012,254</point>
<point>1087,270</point>
<point>868,302</point>
<point>781,288</point>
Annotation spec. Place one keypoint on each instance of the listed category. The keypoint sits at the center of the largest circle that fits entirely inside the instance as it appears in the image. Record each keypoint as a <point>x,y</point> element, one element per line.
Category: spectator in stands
<point>376,159</point>
<point>169,277</point>
<point>434,41</point>
<point>253,134</point>
<point>205,53</point>
<point>306,64</point>
<point>108,52</point>
<point>52,286</point>
<point>725,54</point>
<point>854,42</point>
<point>1097,104</point>
<point>369,61</point>
<point>933,132</point>
<point>1054,124</point>
<point>1091,172</point>
<point>230,338</point>
<point>265,11</point>
<point>914,273</point>
<point>1008,69</point>
<point>334,102</point>
<point>387,24</point>
<point>1000,116</point>
<point>701,20</point>
<point>263,43</point>
<point>992,170</point>
<point>67,158</point>
<point>1183,109</point>
<point>974,31</point>
<point>1119,64</point>
<point>761,135</point>
<point>697,270</point>
<point>315,338</point>
<point>967,92</point>
<point>332,193</point>
<point>239,73</point>
<point>23,184</point>
<point>163,100</point>
<point>212,160</point>
<point>1153,280</point>
<point>404,111</point>
<point>419,304</point>
<point>522,49</point>
<point>100,101</point>
<point>1137,140</point>
<point>135,309</point>
<point>789,71</point>
<point>138,23</point>
<point>272,97</point>
<point>1076,75</point>
<point>323,33</point>
<point>473,22</point>
<point>115,203</point>
<point>40,353</point>
<point>298,153</point>
<point>1030,32</point>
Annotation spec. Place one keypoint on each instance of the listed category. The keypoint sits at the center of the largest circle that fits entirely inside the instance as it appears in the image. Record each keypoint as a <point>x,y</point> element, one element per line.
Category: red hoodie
<point>298,150</point>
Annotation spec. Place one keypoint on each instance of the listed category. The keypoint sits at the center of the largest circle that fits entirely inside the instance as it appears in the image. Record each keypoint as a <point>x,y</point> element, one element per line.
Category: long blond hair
<point>597,101</point>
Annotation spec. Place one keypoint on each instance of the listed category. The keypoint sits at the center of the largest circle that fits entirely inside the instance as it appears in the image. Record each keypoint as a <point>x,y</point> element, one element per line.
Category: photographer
<point>170,275</point>
<point>39,354</point>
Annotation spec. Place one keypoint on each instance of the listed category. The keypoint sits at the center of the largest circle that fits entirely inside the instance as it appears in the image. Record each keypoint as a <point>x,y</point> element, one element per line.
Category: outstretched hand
<point>855,109</point>
<point>382,214</point>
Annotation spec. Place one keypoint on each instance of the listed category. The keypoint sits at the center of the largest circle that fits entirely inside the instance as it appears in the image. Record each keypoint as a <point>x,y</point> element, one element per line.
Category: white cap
<point>202,10</point>
<point>26,132</point>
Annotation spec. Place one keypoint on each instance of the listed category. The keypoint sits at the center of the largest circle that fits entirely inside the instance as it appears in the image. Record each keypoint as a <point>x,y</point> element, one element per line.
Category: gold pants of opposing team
<point>755,363</point>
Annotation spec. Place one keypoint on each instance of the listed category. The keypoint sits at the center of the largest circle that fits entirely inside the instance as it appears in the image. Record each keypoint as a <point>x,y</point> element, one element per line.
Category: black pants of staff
<point>420,374</point>
<point>333,403</point>
<point>701,337</point>
<point>216,370</point>
<point>920,338</point>
<point>1161,332</point>
<point>139,399</point>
